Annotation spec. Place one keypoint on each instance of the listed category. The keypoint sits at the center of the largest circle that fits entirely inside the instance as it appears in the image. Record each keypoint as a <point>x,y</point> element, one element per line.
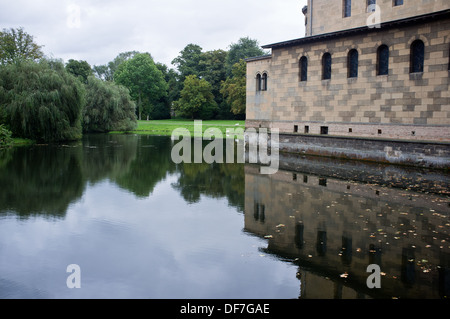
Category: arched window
<point>264,82</point>
<point>417,56</point>
<point>258,82</point>
<point>371,5</point>
<point>303,69</point>
<point>326,66</point>
<point>383,60</point>
<point>353,63</point>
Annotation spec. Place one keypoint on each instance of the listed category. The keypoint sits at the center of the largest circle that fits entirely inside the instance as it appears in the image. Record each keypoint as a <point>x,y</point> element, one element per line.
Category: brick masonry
<point>327,15</point>
<point>400,106</point>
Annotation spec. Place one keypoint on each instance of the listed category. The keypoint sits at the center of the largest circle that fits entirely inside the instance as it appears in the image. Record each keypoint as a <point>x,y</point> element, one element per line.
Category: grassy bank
<point>166,127</point>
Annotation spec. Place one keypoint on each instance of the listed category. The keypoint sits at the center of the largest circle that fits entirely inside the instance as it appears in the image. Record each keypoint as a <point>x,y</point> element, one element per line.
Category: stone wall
<point>327,15</point>
<point>400,105</point>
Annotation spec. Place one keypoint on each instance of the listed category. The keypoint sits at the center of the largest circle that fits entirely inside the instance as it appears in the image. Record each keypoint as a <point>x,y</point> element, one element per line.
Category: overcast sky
<point>97,31</point>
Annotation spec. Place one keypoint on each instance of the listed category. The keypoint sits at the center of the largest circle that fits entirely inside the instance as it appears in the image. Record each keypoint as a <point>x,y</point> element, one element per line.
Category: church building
<point>365,69</point>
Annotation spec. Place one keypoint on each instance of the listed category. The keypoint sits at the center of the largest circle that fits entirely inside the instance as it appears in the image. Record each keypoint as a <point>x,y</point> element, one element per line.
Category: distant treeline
<point>48,101</point>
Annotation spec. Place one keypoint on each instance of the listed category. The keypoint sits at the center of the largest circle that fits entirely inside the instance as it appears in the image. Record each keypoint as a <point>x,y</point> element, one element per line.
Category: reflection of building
<point>349,79</point>
<point>334,229</point>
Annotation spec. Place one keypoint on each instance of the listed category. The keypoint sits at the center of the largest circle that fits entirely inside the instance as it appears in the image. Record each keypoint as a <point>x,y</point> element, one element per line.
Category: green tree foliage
<point>197,100</point>
<point>234,88</point>
<point>42,101</point>
<point>188,62</point>
<point>108,107</point>
<point>80,69</point>
<point>212,65</point>
<point>244,48</point>
<point>5,136</point>
<point>16,46</point>
<point>106,72</point>
<point>144,80</point>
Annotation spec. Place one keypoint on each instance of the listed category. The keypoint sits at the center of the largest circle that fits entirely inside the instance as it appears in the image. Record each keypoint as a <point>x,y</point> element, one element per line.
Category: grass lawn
<point>165,127</point>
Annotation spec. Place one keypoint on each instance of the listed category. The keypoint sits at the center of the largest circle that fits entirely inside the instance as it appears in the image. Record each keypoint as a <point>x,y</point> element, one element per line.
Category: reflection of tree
<point>213,180</point>
<point>151,165</point>
<point>107,156</point>
<point>47,179</point>
<point>40,180</point>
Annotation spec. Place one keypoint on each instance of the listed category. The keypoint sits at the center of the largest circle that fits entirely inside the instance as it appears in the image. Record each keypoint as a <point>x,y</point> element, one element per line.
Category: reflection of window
<point>303,69</point>
<point>398,3</point>
<point>353,64</point>
<point>260,212</point>
<point>321,245</point>
<point>347,4</point>
<point>326,66</point>
<point>383,60</point>
<point>417,56</point>
<point>299,232</point>
<point>346,252</point>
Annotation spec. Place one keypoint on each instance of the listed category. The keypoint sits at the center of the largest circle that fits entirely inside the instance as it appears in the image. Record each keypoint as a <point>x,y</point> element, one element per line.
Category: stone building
<point>370,69</point>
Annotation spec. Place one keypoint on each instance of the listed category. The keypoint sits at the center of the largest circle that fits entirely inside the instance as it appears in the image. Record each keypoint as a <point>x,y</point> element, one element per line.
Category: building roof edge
<point>383,26</point>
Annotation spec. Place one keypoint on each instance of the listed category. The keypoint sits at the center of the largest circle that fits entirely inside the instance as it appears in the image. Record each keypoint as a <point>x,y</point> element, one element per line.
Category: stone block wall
<point>327,15</point>
<point>400,105</point>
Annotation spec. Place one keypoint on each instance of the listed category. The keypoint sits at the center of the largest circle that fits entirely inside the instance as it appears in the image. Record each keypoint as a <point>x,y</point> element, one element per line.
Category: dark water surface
<point>140,226</point>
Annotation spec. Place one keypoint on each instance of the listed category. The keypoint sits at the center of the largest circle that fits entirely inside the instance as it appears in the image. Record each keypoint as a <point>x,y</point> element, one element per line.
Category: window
<point>307,129</point>
<point>353,63</point>
<point>417,56</point>
<point>347,6</point>
<point>264,82</point>
<point>326,66</point>
<point>398,3</point>
<point>383,60</point>
<point>371,5</point>
<point>449,59</point>
<point>258,82</point>
<point>303,69</point>
<point>324,130</point>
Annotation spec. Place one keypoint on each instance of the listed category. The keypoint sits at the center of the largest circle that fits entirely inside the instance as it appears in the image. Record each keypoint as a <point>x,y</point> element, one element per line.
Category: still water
<point>140,226</point>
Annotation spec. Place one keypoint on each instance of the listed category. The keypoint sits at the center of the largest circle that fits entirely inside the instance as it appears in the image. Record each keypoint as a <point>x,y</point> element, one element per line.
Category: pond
<point>139,226</point>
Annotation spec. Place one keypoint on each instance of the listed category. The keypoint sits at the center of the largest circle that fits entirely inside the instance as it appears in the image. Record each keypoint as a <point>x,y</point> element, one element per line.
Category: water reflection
<point>212,226</point>
<point>333,229</point>
<point>47,179</point>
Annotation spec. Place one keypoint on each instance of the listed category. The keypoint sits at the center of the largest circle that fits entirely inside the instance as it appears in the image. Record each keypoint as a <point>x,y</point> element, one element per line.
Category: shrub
<point>108,107</point>
<point>5,136</point>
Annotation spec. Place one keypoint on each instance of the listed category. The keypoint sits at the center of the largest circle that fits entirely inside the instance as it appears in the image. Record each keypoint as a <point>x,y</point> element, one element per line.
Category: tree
<point>108,107</point>
<point>16,45</point>
<point>197,100</point>
<point>188,61</point>
<point>80,69</point>
<point>244,48</point>
<point>212,66</point>
<point>42,101</point>
<point>144,80</point>
<point>106,72</point>
<point>234,88</point>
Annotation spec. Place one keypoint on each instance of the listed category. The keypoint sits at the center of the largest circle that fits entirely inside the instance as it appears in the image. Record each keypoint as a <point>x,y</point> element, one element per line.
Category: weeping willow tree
<point>41,101</point>
<point>108,107</point>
